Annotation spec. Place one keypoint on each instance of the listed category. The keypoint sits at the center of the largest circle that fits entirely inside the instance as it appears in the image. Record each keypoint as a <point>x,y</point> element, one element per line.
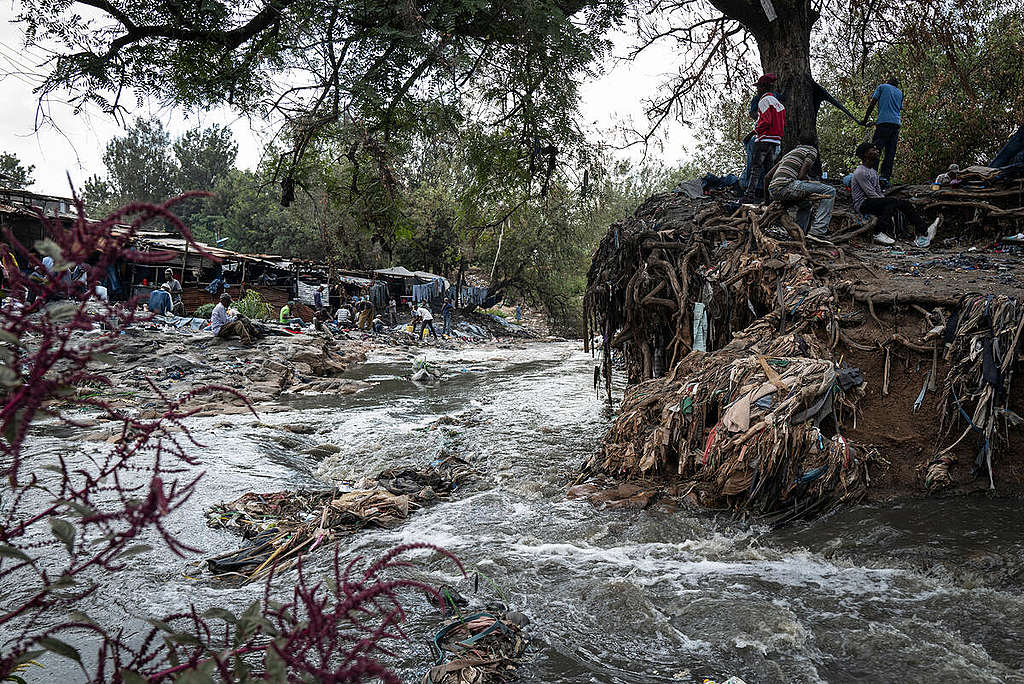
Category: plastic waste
<point>884,239</point>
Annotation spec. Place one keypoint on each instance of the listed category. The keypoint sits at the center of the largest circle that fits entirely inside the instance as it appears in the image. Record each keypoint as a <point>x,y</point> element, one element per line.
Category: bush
<point>252,306</point>
<point>204,311</point>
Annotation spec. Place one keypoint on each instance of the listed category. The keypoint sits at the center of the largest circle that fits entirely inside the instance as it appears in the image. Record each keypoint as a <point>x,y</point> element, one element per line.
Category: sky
<point>73,144</point>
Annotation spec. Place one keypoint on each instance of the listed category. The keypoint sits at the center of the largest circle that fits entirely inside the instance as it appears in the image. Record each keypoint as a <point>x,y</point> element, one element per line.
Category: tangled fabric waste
<point>759,421</point>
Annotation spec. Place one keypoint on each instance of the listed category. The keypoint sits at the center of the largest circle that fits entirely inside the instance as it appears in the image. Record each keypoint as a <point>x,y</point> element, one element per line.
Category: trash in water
<point>480,648</point>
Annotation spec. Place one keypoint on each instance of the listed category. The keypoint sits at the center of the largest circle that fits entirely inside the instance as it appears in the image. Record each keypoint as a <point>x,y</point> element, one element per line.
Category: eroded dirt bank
<point>781,375</point>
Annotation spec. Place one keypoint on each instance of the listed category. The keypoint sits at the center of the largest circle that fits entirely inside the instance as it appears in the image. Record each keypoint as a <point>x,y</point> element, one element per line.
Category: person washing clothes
<point>768,132</point>
<point>286,318</point>
<point>889,99</point>
<point>426,318</point>
<point>868,198</point>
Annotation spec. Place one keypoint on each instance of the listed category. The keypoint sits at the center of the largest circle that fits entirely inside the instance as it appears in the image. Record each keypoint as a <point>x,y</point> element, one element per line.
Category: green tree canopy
<point>140,164</point>
<point>14,174</point>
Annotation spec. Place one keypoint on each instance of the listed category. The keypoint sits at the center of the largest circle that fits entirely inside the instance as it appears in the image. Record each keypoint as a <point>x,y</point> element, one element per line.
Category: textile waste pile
<point>479,648</point>
<point>281,527</point>
<point>736,332</point>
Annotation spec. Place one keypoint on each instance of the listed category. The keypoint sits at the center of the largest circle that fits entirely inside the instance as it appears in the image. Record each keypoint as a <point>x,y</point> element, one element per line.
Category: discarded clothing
<point>1012,152</point>
<point>712,182</point>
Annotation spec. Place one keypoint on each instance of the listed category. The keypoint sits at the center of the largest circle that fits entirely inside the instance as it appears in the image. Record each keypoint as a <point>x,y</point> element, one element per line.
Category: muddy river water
<point>924,591</point>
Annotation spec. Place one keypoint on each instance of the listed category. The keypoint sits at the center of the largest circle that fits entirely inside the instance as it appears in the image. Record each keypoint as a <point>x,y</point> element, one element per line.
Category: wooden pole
<point>184,265</point>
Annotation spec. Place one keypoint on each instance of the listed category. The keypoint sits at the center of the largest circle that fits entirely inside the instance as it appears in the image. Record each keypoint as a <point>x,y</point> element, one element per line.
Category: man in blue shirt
<point>889,99</point>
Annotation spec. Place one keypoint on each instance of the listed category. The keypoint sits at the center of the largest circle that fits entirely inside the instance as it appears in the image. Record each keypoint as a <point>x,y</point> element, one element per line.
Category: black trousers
<point>885,139</point>
<point>885,207</point>
<point>427,324</point>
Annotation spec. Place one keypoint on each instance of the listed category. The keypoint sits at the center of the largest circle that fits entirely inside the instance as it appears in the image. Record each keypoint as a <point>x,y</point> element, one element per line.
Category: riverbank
<point>782,376</point>
<point>164,358</point>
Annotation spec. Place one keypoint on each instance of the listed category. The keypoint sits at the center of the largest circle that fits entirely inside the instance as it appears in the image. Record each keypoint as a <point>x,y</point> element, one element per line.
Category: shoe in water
<point>883,239</point>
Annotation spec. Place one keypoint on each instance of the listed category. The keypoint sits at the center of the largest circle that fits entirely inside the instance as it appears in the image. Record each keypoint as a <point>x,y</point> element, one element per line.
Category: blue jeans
<point>797,190</point>
<point>447,323</point>
<point>1012,152</point>
<point>745,176</point>
<point>762,161</point>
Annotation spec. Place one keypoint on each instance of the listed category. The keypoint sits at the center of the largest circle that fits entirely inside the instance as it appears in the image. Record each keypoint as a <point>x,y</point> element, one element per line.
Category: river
<point>921,591</point>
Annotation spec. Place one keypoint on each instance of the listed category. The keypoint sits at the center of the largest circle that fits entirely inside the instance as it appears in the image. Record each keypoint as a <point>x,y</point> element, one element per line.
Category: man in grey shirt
<point>226,325</point>
<point>174,288</point>
<point>868,198</point>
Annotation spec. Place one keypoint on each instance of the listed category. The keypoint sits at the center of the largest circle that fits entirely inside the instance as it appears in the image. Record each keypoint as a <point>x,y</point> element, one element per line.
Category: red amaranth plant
<point>63,523</point>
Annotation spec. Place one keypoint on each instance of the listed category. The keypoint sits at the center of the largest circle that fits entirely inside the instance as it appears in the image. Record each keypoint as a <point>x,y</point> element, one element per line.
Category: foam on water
<point>613,596</point>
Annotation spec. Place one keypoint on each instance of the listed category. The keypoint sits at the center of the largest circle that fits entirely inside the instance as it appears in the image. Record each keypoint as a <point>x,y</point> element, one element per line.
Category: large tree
<point>311,65</point>
<point>140,164</point>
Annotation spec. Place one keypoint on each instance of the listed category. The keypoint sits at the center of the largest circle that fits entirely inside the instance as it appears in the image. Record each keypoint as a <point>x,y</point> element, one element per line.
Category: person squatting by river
<point>868,198</point>
<point>226,324</point>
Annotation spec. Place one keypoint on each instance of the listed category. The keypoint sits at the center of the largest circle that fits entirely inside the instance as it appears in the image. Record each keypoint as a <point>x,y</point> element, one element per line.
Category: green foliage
<point>960,70</point>
<point>14,174</point>
<point>140,164</point>
<point>252,306</point>
<point>204,311</point>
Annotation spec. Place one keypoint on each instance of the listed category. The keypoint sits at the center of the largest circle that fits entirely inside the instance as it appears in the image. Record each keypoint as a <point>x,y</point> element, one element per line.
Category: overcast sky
<point>75,144</point>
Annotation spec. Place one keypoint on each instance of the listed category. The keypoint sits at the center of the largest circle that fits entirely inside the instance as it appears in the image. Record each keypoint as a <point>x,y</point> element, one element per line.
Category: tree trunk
<point>785,47</point>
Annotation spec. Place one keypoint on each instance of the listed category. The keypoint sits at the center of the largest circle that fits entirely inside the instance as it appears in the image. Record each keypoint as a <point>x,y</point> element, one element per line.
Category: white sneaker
<point>884,239</point>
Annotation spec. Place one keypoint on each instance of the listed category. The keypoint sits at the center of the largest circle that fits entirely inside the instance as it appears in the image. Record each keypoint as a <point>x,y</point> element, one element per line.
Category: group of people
<point>791,177</point>
<point>167,298</point>
<point>423,318</point>
<point>362,312</point>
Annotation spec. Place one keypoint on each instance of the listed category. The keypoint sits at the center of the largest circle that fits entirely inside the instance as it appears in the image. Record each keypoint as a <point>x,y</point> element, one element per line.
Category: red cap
<point>767,79</point>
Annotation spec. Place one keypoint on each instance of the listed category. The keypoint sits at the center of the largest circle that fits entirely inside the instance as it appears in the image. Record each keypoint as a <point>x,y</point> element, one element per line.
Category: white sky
<point>76,149</point>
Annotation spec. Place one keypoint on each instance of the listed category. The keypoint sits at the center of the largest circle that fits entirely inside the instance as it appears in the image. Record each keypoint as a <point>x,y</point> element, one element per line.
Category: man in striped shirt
<point>787,182</point>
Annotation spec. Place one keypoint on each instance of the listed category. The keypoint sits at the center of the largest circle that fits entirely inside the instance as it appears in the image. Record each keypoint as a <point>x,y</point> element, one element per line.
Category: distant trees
<point>14,174</point>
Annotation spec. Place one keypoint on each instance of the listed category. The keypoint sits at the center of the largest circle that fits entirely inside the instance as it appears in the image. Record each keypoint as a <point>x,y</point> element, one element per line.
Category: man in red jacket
<point>771,124</point>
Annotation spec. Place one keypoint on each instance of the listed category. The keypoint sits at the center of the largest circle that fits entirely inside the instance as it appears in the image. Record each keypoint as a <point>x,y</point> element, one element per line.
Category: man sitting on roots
<point>788,182</point>
<point>868,198</point>
<point>226,324</point>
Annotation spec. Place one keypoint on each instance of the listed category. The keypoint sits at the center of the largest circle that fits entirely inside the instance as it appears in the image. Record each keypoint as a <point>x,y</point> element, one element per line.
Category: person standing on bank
<point>768,132</point>
<point>889,99</point>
